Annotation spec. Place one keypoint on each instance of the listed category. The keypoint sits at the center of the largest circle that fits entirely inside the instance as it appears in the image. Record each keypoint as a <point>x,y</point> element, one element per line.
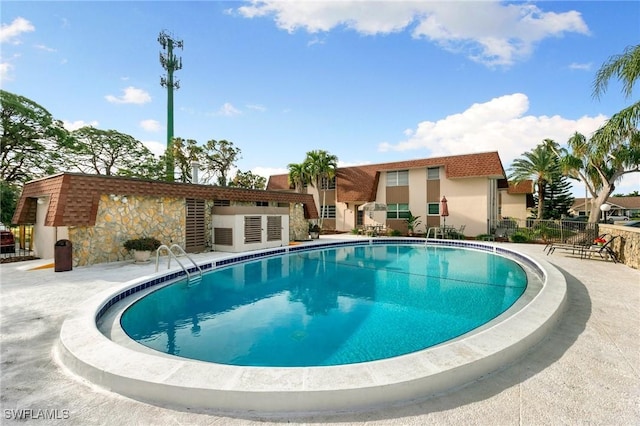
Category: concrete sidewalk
<point>587,371</point>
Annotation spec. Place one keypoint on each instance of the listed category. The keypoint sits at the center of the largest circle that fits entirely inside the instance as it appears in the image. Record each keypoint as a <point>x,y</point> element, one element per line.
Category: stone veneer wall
<point>627,246</point>
<point>298,225</point>
<point>116,222</point>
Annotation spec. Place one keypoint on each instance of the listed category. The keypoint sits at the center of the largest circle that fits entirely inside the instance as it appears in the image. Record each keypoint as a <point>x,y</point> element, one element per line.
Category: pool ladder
<point>190,280</point>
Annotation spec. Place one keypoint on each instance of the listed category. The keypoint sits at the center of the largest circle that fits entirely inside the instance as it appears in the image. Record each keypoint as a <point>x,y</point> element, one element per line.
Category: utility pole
<point>170,63</point>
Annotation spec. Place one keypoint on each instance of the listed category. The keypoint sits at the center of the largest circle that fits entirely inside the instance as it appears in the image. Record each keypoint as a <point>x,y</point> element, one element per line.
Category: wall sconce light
<point>121,198</point>
<point>41,201</point>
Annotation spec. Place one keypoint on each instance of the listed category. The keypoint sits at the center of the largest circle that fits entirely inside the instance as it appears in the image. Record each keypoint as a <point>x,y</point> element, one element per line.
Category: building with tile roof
<point>472,183</point>
<point>98,213</point>
<point>620,206</point>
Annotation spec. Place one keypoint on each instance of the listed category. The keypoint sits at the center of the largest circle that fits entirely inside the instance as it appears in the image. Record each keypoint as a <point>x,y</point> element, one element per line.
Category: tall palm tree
<point>540,165</point>
<point>321,166</point>
<point>298,176</point>
<point>614,149</point>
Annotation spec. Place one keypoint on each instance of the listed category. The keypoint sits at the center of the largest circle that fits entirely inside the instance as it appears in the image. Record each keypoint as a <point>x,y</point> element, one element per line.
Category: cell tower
<point>170,63</point>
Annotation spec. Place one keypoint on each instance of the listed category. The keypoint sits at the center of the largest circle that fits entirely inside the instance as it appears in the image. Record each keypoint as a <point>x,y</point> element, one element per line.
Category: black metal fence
<point>16,243</point>
<point>546,231</point>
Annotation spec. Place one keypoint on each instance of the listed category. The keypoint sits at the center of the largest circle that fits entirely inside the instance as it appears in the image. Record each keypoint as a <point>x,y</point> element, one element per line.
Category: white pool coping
<point>282,391</point>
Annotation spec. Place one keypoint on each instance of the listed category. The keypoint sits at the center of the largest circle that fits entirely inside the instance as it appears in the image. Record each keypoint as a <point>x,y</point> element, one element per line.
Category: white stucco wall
<point>45,237</point>
<point>514,205</point>
<point>236,223</point>
<point>468,203</point>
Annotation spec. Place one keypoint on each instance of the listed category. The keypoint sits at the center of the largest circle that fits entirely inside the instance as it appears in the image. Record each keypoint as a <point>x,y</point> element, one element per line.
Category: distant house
<point>620,206</point>
<point>98,213</point>
<point>470,183</point>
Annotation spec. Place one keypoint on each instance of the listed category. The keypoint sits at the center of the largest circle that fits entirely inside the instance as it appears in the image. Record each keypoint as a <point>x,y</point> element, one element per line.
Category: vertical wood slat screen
<point>195,238</point>
<point>274,228</point>
<point>223,236</point>
<point>252,229</point>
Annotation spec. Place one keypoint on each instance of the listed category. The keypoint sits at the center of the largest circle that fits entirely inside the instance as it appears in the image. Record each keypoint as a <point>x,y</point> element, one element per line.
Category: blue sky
<point>368,81</point>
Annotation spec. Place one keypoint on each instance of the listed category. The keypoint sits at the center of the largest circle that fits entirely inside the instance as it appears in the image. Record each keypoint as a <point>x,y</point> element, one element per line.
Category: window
<point>359,218</point>
<point>433,209</point>
<point>397,211</point>
<point>221,203</point>
<point>433,173</point>
<point>328,183</point>
<point>398,178</point>
<point>262,203</point>
<point>328,212</point>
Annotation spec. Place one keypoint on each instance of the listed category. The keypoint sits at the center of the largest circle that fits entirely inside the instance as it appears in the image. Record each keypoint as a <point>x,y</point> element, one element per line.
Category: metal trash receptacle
<point>63,256</point>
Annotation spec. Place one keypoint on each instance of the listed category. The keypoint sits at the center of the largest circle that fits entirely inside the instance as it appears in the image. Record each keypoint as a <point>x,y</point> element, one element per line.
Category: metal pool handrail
<point>172,254</point>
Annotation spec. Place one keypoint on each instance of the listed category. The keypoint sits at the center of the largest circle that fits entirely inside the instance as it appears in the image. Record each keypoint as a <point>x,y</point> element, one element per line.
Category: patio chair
<point>500,234</point>
<point>456,234</point>
<point>604,251</point>
<point>585,241</point>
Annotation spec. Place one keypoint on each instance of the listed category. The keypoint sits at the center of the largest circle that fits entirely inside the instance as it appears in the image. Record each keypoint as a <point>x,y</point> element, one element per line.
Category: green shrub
<point>519,238</point>
<point>142,244</point>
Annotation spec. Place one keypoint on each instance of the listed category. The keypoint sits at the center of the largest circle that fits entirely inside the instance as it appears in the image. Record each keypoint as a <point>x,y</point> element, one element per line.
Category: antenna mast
<point>170,62</point>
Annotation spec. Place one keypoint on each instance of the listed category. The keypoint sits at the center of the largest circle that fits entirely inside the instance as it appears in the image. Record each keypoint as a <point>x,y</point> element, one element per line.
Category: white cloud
<point>5,71</point>
<point>131,95</point>
<point>500,124</point>
<point>75,125</point>
<point>256,107</point>
<point>151,125</point>
<point>581,67</point>
<point>9,33</point>
<point>494,33</point>
<point>269,171</point>
<point>44,47</point>
<point>157,148</point>
<point>228,110</point>
<point>489,32</point>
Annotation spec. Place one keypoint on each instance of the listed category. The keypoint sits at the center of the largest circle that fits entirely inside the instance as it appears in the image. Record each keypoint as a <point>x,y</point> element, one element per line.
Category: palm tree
<point>540,165</point>
<point>298,176</point>
<point>321,166</point>
<point>625,66</point>
<point>614,149</point>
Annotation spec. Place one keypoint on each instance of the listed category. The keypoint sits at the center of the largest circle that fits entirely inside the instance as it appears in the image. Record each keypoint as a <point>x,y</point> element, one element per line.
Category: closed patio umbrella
<point>444,209</point>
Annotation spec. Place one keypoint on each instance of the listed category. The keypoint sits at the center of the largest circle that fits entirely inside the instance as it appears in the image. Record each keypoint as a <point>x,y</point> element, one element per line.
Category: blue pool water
<point>328,307</point>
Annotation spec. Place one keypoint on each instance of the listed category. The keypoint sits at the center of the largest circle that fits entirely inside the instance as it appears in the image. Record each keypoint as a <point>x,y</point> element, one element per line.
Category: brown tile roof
<point>360,183</point>
<point>278,183</point>
<point>524,187</point>
<point>74,197</point>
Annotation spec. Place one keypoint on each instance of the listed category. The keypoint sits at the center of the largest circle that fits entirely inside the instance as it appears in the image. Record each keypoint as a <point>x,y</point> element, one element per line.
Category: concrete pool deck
<point>586,371</point>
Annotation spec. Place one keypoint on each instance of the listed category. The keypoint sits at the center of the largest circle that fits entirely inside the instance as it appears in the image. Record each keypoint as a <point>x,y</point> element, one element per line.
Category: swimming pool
<point>94,347</point>
<point>338,305</point>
